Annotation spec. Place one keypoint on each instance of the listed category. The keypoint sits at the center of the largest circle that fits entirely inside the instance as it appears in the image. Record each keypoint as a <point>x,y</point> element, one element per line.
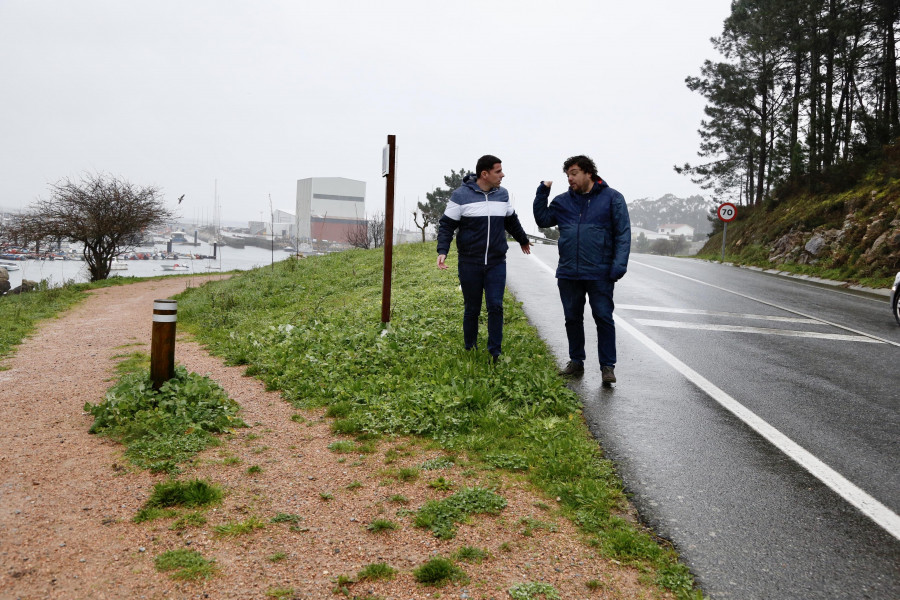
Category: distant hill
<point>650,214</point>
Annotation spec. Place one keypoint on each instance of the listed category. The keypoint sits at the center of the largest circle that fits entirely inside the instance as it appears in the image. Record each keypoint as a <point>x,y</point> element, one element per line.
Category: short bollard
<point>162,344</point>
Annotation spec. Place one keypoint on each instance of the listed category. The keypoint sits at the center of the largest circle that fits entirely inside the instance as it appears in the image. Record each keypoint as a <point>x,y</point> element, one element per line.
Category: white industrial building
<point>283,224</point>
<point>329,207</point>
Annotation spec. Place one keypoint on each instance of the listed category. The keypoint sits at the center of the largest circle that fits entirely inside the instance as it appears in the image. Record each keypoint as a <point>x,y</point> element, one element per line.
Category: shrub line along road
<point>755,422</point>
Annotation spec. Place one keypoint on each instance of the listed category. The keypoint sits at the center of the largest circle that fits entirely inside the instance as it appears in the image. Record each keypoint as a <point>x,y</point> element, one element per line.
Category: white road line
<point>758,330</point>
<point>883,516</point>
<point>541,264</point>
<point>714,313</point>
<point>769,304</point>
<point>869,506</point>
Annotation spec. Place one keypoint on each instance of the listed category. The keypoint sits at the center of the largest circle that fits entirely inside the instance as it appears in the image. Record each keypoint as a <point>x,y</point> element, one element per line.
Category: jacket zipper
<point>487,243</point>
<point>578,237</point>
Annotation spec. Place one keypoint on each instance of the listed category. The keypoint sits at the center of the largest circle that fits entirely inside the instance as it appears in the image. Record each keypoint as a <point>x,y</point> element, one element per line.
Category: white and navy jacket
<point>483,218</point>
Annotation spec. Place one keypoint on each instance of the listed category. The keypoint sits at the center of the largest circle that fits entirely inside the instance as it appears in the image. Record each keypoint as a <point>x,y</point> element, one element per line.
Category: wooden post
<point>388,230</point>
<point>162,344</point>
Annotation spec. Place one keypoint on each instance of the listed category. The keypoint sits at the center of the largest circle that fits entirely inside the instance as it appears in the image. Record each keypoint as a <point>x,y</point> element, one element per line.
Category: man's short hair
<point>486,163</point>
<point>582,162</point>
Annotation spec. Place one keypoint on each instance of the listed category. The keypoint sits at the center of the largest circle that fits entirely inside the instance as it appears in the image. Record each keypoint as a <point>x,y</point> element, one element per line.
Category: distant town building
<point>284,225</point>
<point>676,229</point>
<point>329,207</point>
<point>648,234</point>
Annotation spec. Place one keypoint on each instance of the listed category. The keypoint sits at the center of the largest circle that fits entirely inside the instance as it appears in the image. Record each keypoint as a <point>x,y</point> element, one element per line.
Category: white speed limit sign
<point>727,212</point>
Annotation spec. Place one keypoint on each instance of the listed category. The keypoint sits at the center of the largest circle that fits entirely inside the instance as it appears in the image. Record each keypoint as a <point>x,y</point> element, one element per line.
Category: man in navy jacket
<point>480,209</point>
<point>594,243</point>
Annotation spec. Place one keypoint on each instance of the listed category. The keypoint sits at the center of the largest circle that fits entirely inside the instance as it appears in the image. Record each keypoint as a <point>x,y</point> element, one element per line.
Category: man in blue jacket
<point>480,209</point>
<point>594,243</point>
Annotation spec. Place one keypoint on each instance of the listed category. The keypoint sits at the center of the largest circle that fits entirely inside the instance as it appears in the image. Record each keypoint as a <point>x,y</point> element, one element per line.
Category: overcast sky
<point>250,96</point>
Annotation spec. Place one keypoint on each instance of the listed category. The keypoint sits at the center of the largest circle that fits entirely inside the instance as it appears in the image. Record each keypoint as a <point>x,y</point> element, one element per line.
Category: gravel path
<point>67,498</point>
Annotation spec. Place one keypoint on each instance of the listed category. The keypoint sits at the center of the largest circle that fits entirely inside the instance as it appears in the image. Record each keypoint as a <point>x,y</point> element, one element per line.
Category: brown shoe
<point>573,369</point>
<point>609,374</point>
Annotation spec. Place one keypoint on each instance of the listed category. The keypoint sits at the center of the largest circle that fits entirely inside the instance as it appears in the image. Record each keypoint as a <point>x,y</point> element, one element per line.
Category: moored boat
<point>175,267</point>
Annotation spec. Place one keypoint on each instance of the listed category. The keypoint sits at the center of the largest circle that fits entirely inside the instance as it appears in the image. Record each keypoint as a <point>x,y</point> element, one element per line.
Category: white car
<point>895,298</point>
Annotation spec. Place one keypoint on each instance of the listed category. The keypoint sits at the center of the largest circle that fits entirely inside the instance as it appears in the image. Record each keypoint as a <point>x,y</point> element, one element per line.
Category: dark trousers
<point>478,280</point>
<point>572,292</point>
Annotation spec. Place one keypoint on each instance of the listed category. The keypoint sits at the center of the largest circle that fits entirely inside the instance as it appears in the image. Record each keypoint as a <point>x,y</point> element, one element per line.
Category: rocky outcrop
<point>27,286</point>
<point>4,280</point>
<point>878,240</point>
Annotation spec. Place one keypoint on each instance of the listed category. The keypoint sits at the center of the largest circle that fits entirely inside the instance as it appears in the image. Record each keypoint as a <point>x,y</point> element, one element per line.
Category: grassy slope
<point>311,328</point>
<point>866,209</point>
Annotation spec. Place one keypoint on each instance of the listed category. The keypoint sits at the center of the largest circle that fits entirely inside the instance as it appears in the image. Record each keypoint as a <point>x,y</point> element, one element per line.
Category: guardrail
<point>538,239</point>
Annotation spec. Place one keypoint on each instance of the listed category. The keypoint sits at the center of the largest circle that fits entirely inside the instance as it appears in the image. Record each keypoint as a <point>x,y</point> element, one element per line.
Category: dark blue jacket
<point>483,218</point>
<point>594,231</point>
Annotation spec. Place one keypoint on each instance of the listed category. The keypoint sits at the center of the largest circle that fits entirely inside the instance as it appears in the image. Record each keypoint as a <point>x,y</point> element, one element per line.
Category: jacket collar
<point>598,187</point>
<point>471,181</point>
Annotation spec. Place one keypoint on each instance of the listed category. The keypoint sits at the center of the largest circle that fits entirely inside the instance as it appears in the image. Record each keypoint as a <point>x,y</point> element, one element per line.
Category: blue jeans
<point>600,295</point>
<point>476,280</point>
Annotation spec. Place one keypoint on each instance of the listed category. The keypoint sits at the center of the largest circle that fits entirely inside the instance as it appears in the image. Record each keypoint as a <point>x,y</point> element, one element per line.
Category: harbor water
<point>58,272</point>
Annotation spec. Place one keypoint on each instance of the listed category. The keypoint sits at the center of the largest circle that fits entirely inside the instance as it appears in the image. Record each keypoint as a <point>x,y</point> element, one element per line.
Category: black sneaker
<point>609,374</point>
<point>573,369</point>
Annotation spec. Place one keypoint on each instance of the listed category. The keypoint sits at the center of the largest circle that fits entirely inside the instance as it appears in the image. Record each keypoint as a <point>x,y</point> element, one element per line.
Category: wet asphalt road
<point>812,373</point>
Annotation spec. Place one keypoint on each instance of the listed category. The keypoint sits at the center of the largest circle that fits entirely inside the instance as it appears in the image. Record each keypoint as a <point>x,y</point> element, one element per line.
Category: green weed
<point>379,525</point>
<point>236,528</point>
<point>342,585</point>
<point>441,516</point>
<point>185,564</point>
<point>194,519</point>
<point>189,494</point>
<point>376,571</point>
<point>286,518</point>
<point>531,590</point>
<point>441,484</point>
<point>408,474</point>
<point>441,462</point>
<point>342,447</point>
<point>277,557</point>
<point>470,554</point>
<point>151,514</point>
<point>531,524</point>
<point>438,571</point>
<point>165,427</point>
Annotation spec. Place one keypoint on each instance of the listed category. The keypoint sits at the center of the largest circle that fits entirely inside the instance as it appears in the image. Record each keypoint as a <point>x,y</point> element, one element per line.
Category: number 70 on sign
<point>727,212</point>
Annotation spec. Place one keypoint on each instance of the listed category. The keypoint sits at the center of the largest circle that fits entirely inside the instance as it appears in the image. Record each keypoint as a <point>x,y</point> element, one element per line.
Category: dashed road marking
<point>714,313</point>
<point>757,330</point>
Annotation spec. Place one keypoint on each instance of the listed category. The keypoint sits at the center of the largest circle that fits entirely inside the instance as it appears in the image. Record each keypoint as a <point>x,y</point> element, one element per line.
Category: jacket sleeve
<point>514,228</point>
<point>543,216</point>
<point>622,235</point>
<point>447,227</point>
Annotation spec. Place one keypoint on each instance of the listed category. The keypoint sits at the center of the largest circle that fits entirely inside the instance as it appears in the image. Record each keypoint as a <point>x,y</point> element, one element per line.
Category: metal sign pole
<point>724,234</point>
<point>388,228</point>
